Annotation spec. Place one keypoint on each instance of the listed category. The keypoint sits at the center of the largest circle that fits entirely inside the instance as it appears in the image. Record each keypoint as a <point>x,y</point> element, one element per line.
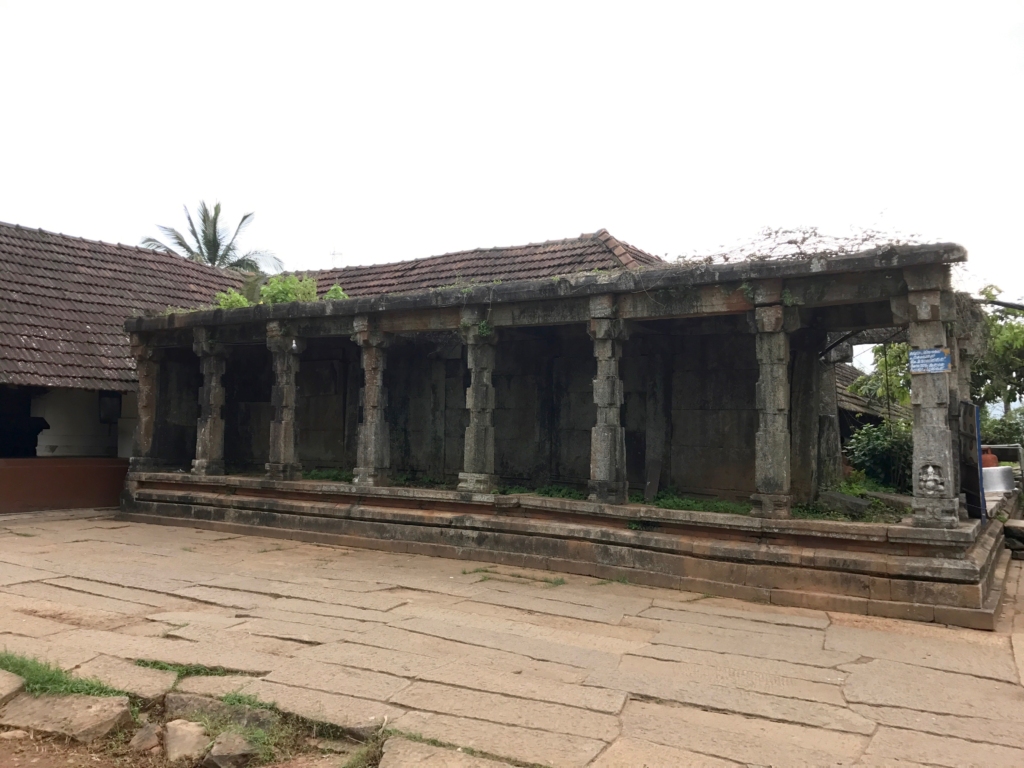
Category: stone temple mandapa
<point>584,363</point>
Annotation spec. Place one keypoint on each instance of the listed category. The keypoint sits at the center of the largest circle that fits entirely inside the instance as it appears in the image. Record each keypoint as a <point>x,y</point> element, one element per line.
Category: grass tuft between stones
<point>42,678</point>
<point>189,670</point>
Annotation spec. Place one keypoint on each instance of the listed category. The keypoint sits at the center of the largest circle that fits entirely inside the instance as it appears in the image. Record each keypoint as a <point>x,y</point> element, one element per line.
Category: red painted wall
<point>27,485</point>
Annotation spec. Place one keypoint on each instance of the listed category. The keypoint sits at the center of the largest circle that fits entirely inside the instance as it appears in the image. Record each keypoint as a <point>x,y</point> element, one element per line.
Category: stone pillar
<point>830,451</point>
<point>936,497</point>
<point>772,443</point>
<point>209,458</point>
<point>478,457</point>
<point>373,451</point>
<point>608,481</point>
<point>285,349</point>
<point>147,369</point>
<point>805,400</point>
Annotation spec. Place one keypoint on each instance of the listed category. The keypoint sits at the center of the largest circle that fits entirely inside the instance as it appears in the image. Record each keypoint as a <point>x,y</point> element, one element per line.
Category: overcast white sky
<point>369,131</point>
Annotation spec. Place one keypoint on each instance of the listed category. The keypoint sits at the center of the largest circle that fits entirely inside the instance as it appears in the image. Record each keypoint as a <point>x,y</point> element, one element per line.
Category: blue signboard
<point>929,360</point>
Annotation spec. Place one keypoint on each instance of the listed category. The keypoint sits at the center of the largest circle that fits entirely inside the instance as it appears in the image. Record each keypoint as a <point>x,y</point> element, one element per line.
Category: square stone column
<point>147,369</point>
<point>772,444</point>
<point>936,496</point>
<point>608,481</point>
<point>373,451</point>
<point>478,458</point>
<point>209,458</point>
<point>285,349</point>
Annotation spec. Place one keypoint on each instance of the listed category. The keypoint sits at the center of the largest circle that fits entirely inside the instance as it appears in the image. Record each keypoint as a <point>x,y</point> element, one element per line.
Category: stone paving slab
<point>303,673</point>
<point>82,718</point>
<point>19,623</point>
<point>403,753</point>
<point>743,663</point>
<point>891,745</point>
<point>361,716</point>
<point>631,753</point>
<point>1005,732</point>
<point>742,739</point>
<point>662,683</point>
<point>530,746</point>
<point>121,675</point>
<point>980,660</point>
<point>542,715</point>
<point>585,672</point>
<point>888,683</point>
<point>17,574</point>
<point>10,686</point>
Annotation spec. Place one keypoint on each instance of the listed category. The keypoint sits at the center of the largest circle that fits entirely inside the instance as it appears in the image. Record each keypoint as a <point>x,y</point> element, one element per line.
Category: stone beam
<point>285,349</point>
<point>373,451</point>
<point>209,458</point>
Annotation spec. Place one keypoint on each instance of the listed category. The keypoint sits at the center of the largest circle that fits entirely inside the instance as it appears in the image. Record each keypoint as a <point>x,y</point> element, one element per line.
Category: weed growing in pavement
<point>189,670</point>
<point>44,678</point>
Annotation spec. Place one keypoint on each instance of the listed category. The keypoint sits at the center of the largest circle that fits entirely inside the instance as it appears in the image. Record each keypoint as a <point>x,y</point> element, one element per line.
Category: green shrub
<point>334,293</point>
<point>509,490</point>
<point>334,475</point>
<point>670,499</point>
<point>884,452</point>
<point>561,492</point>
<point>231,299</point>
<point>284,288</point>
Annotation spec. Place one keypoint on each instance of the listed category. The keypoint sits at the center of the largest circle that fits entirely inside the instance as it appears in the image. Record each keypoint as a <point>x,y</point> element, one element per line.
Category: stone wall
<point>327,403</point>
<point>248,378</point>
<point>177,408</point>
<point>544,405</point>
<point>426,383</point>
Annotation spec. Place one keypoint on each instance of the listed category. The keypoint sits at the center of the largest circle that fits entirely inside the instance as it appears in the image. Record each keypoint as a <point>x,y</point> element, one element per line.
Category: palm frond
<point>267,260</point>
<point>196,254</point>
<point>241,225</point>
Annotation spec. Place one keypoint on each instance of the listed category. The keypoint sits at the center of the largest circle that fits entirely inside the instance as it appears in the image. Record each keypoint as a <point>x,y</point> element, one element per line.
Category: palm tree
<point>210,244</point>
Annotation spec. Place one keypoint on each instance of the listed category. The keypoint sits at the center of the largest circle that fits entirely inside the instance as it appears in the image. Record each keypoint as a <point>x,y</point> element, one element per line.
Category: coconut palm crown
<point>209,243</point>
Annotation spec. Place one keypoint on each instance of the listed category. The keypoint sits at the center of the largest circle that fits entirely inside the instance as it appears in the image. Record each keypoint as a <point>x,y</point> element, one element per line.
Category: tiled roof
<point>64,300</point>
<point>486,265</point>
<point>846,374</point>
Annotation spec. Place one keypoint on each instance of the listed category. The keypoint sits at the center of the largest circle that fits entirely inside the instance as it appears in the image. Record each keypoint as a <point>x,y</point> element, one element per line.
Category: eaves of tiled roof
<point>64,300</point>
<point>588,252</point>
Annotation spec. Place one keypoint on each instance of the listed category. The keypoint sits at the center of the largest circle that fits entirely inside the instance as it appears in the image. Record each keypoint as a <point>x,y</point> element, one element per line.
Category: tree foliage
<point>212,244</point>
<point>998,376</point>
<point>890,381</point>
<point>1005,431</point>
<point>334,293</point>
<point>884,452</point>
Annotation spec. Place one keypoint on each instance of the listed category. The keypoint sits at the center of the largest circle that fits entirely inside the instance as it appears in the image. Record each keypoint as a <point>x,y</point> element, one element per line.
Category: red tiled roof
<point>64,300</point>
<point>485,265</point>
<point>846,375</point>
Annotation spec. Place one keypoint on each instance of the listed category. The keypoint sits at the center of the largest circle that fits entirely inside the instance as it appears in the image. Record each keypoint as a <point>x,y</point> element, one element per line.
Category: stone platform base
<point>900,571</point>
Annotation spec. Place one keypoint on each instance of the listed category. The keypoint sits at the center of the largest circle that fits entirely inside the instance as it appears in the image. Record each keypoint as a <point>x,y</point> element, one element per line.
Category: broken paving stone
<point>147,738</point>
<point>10,686</point>
<point>337,746</point>
<point>184,740</point>
<point>186,705</point>
<point>148,684</point>
<point>82,718</point>
<point>229,750</point>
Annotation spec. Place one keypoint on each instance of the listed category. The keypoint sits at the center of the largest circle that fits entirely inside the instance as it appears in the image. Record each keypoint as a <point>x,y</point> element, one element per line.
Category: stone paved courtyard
<point>525,665</point>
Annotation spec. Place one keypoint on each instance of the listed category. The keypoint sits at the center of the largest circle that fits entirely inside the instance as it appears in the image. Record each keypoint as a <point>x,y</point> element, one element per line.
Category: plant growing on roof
<point>231,299</point>
<point>209,243</point>
<point>335,293</point>
<point>284,288</point>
